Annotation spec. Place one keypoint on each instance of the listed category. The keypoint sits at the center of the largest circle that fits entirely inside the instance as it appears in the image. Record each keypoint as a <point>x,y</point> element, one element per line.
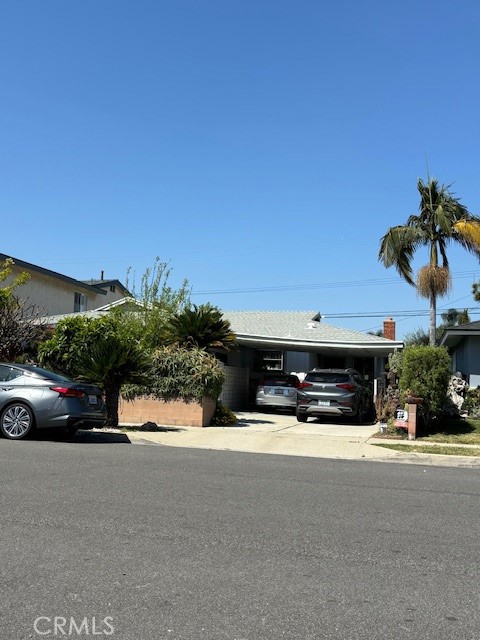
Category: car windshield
<point>279,381</point>
<point>43,373</point>
<point>328,377</point>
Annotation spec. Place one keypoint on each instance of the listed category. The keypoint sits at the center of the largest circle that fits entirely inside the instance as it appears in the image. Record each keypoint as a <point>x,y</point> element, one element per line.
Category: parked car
<point>32,397</point>
<point>277,390</point>
<point>334,392</point>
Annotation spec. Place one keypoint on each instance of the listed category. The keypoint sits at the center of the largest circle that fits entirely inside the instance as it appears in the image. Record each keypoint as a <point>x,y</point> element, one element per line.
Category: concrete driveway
<point>278,433</point>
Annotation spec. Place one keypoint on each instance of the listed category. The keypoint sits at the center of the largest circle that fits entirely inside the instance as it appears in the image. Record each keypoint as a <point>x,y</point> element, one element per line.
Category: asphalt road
<point>163,543</point>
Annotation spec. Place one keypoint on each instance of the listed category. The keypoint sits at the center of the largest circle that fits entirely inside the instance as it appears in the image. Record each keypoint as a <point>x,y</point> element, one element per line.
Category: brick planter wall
<point>176,412</point>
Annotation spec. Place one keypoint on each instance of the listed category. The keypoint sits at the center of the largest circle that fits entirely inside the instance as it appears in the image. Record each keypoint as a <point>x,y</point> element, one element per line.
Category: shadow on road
<point>248,422</point>
<point>84,437</point>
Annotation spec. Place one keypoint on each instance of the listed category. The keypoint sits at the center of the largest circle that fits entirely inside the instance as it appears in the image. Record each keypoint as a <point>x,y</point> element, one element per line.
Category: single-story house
<point>54,293</point>
<point>297,341</point>
<point>463,343</point>
<point>286,341</point>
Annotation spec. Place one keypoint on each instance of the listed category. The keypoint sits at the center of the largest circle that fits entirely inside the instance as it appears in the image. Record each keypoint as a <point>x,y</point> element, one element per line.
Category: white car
<point>277,391</point>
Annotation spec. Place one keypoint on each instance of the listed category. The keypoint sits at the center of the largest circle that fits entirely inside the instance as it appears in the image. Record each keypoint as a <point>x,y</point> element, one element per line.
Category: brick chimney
<point>389,328</point>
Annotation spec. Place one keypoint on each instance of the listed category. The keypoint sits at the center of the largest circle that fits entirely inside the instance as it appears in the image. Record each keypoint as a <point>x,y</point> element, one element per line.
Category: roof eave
<point>310,345</point>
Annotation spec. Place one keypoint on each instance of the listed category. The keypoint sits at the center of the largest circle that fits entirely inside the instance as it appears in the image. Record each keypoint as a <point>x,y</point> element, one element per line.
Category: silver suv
<point>334,392</point>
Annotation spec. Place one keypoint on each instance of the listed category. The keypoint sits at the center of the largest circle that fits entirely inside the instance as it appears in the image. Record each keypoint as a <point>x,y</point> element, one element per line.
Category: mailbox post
<point>413,404</point>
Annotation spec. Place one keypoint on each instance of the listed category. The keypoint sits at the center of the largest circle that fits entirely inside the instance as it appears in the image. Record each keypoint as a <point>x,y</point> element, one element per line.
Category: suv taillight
<point>302,385</point>
<point>68,392</point>
<point>347,386</point>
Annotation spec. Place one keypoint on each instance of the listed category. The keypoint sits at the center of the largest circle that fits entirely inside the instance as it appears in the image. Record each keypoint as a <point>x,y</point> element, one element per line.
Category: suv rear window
<point>327,376</point>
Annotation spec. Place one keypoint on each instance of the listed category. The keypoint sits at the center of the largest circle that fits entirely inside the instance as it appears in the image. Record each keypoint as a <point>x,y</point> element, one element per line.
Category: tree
<point>156,301</point>
<point>450,318</point>
<point>21,329</point>
<point>21,325</point>
<point>99,350</point>
<point>7,295</point>
<point>454,317</point>
<point>417,337</point>
<point>111,363</point>
<point>441,220</point>
<point>72,338</point>
<point>201,327</point>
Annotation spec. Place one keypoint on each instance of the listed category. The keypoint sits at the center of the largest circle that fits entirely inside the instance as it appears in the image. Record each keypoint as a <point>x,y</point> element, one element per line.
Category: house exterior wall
<point>55,296</point>
<point>235,388</point>
<point>298,361</point>
<point>466,359</point>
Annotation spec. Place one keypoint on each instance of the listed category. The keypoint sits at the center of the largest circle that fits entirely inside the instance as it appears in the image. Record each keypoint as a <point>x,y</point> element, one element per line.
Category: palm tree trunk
<point>433,319</point>
<point>112,397</point>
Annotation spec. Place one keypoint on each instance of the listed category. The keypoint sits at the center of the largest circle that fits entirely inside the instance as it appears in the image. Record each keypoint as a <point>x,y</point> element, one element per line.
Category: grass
<point>453,431</point>
<point>436,449</point>
<point>443,431</point>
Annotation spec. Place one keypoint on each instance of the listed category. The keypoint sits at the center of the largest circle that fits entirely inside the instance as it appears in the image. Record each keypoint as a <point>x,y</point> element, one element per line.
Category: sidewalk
<point>282,434</point>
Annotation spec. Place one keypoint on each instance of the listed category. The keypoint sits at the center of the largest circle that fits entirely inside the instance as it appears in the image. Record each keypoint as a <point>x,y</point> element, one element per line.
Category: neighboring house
<point>55,293</point>
<point>297,341</point>
<point>463,343</point>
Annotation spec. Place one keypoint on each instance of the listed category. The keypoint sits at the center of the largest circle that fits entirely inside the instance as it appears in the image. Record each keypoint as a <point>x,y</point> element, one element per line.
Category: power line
<point>372,282</point>
<point>412,313</point>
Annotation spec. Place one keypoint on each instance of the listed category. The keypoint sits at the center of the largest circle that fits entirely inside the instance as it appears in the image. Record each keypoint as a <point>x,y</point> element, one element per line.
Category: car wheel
<point>16,421</point>
<point>301,417</point>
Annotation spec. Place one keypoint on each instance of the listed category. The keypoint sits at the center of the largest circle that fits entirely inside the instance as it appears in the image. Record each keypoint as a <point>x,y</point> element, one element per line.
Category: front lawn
<point>453,431</point>
<point>444,431</point>
<point>431,448</point>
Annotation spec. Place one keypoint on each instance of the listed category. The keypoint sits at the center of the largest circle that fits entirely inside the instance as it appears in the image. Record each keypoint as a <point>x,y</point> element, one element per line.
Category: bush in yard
<point>72,339</point>
<point>472,403</point>
<point>99,350</point>
<point>180,374</point>
<point>223,416</point>
<point>425,374</point>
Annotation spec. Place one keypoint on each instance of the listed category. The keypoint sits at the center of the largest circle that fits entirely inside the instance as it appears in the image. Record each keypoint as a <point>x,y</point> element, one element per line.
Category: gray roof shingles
<point>295,325</point>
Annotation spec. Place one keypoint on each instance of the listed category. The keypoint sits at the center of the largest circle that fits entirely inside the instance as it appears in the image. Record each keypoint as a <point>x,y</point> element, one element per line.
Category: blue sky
<point>261,147</point>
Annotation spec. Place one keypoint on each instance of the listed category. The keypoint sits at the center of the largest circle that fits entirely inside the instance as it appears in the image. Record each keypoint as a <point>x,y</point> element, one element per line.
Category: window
<point>112,288</point>
<point>268,360</point>
<point>332,362</point>
<point>80,302</point>
<point>9,373</point>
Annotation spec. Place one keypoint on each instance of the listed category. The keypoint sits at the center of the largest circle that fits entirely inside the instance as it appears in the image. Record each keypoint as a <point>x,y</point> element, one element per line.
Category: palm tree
<point>202,327</point>
<point>441,220</point>
<point>112,362</point>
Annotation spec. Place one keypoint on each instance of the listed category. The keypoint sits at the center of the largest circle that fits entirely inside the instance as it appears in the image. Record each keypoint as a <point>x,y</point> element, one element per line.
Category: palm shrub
<point>200,327</point>
<point>101,350</point>
<point>111,363</point>
<point>425,373</point>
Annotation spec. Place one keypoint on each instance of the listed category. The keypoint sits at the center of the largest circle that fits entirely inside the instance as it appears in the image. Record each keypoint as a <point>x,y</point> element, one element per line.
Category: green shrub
<point>223,416</point>
<point>472,403</point>
<point>425,374</point>
<point>74,338</point>
<point>181,374</point>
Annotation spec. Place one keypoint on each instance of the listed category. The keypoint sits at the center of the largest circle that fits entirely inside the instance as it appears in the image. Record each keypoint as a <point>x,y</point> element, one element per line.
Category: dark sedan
<point>32,397</point>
